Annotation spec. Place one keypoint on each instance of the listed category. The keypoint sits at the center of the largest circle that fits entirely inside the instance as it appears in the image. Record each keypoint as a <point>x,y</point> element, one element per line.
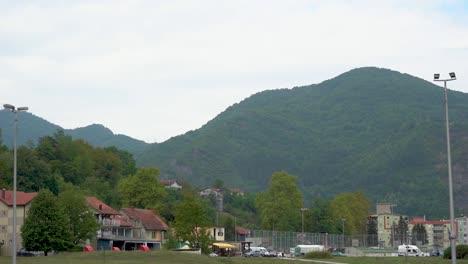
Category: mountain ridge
<point>369,129</point>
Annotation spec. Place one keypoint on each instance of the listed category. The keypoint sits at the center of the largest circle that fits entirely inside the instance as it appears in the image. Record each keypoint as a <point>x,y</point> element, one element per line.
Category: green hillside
<point>31,128</point>
<point>372,129</point>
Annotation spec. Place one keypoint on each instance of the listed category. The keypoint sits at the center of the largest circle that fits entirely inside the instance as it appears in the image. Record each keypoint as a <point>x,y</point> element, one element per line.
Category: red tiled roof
<point>242,231</point>
<point>442,222</point>
<point>167,182</point>
<point>148,218</point>
<point>123,222</point>
<point>22,198</point>
<point>100,206</point>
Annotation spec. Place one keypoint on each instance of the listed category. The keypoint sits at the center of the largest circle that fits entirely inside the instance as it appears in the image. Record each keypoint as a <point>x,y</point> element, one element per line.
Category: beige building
<point>23,202</point>
<point>386,222</point>
<point>437,232</point>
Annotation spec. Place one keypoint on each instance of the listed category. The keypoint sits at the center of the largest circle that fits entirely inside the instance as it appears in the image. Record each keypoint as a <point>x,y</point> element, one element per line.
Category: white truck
<point>411,250</point>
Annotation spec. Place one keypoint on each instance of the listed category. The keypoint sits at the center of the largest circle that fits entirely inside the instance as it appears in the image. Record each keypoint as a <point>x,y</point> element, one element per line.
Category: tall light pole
<point>302,214</point>
<point>15,111</point>
<point>343,220</point>
<point>452,225</point>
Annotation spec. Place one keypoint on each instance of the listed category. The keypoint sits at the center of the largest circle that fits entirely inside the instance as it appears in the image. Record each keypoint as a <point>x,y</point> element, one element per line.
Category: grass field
<point>164,257</point>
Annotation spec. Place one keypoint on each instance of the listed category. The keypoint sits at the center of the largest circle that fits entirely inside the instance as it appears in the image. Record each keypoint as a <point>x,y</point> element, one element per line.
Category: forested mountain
<point>32,128</point>
<point>368,129</point>
<point>372,129</point>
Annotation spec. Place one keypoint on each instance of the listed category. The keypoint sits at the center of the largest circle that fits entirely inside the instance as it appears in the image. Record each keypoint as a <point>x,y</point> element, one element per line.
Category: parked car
<point>27,253</point>
<point>253,253</point>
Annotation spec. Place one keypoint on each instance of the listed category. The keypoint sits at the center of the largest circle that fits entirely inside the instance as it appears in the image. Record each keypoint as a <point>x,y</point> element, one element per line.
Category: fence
<point>282,241</point>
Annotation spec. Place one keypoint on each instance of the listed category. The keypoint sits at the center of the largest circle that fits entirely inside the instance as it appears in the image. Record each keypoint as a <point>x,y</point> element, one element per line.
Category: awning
<point>224,245</point>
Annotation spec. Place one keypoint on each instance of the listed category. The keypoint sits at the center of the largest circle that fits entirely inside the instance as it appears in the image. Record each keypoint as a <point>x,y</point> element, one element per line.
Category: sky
<point>156,69</point>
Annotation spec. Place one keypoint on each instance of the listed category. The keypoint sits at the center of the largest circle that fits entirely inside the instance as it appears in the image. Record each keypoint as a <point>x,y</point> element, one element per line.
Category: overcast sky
<point>157,69</point>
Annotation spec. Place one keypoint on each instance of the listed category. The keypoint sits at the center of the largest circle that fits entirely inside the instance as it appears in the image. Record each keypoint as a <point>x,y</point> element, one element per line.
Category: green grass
<point>165,257</point>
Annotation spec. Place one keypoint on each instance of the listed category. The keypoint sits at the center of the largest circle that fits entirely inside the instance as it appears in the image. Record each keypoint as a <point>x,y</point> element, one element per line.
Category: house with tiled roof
<point>114,231</point>
<point>149,228</point>
<point>217,193</point>
<point>171,184</point>
<point>23,202</point>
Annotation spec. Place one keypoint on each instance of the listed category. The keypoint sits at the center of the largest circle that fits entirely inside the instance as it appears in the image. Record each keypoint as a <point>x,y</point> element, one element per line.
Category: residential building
<point>387,224</point>
<point>242,233</point>
<point>23,202</point>
<point>149,228</point>
<point>171,184</point>
<point>236,191</point>
<point>462,223</point>
<point>113,230</point>
<point>216,193</point>
<point>217,233</point>
<point>438,232</point>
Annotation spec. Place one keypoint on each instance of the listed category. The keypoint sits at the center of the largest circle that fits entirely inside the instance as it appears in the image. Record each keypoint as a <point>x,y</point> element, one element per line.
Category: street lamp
<point>14,110</point>
<point>302,214</point>
<point>343,220</point>
<point>452,225</point>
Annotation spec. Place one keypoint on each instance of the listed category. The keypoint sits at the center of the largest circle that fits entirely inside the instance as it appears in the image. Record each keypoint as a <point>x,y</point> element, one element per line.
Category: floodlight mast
<point>15,111</point>
<point>449,166</point>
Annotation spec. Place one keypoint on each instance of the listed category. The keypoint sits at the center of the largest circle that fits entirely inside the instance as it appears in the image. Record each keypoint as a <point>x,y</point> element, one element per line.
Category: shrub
<point>318,254</point>
<point>461,251</point>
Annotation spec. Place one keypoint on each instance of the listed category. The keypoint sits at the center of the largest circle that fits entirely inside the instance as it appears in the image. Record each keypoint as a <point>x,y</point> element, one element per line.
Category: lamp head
<point>436,76</point>
<point>24,108</point>
<point>9,106</point>
<point>452,75</point>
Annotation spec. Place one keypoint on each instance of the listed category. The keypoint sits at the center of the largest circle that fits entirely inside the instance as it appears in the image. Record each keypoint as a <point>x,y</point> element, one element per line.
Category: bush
<point>318,254</point>
<point>461,251</point>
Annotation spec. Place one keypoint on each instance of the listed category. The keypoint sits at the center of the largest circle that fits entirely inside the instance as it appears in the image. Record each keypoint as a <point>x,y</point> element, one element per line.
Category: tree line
<point>66,170</point>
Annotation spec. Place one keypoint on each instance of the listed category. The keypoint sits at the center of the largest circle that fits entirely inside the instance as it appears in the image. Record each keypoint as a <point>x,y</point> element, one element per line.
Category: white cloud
<point>156,69</point>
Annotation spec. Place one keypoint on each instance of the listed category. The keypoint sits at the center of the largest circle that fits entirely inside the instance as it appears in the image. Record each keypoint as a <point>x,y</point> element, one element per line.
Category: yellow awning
<point>224,245</point>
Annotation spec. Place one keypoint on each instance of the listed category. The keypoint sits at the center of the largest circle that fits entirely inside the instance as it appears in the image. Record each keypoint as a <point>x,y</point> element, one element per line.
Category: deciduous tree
<point>142,190</point>
<point>280,206</point>
<point>82,222</point>
<point>191,222</point>
<point>46,228</point>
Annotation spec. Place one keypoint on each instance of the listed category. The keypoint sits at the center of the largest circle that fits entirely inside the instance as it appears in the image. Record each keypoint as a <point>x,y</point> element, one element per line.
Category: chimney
<point>100,207</point>
<point>3,193</point>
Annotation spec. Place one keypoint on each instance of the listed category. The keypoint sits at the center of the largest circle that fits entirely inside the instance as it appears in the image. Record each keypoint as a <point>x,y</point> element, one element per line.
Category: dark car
<point>27,253</point>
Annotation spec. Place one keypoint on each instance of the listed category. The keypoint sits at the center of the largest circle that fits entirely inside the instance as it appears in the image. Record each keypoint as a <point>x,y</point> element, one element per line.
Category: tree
<point>402,231</point>
<point>280,206</point>
<point>354,207</point>
<point>320,218</point>
<point>372,235</point>
<point>191,222</point>
<point>229,228</point>
<point>83,224</point>
<point>142,190</point>
<point>419,234</point>
<point>46,228</point>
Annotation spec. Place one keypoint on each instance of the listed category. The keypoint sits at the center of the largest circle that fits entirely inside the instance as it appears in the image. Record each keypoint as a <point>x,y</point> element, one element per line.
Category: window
<point>220,234</point>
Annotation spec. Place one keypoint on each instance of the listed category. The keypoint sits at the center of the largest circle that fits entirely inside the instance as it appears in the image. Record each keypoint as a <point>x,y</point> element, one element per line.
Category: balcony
<point>110,222</point>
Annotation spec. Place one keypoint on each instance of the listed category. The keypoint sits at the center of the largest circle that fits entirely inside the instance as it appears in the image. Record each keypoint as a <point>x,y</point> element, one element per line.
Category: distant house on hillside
<point>149,228</point>
<point>236,191</point>
<point>216,193</point>
<point>171,184</point>
<point>23,202</point>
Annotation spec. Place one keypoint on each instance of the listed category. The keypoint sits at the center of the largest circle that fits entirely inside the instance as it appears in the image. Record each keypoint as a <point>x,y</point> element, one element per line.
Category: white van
<point>410,250</point>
